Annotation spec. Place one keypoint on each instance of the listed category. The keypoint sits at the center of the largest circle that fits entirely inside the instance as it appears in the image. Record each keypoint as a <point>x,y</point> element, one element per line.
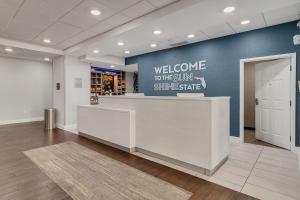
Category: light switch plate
<point>57,86</point>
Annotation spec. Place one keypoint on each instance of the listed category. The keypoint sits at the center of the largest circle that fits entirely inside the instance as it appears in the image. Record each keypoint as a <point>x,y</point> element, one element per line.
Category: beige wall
<point>249,100</point>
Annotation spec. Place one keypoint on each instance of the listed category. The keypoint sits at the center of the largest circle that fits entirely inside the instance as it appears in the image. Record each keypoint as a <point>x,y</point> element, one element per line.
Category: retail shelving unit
<point>107,82</point>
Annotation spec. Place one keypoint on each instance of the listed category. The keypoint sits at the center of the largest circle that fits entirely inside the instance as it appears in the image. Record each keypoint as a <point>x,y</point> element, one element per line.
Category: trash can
<point>50,118</point>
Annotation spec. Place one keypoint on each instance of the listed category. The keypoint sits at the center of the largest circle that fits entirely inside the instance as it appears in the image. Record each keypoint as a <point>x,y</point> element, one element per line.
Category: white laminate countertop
<point>192,98</point>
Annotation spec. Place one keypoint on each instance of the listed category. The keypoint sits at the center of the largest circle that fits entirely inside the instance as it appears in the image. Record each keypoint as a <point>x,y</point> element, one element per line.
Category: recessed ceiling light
<point>191,36</point>
<point>96,51</point>
<point>245,22</point>
<point>47,59</point>
<point>153,45</point>
<point>120,43</point>
<point>127,52</point>
<point>47,41</point>
<point>157,32</point>
<point>229,9</point>
<point>112,66</point>
<point>95,12</point>
<point>8,49</point>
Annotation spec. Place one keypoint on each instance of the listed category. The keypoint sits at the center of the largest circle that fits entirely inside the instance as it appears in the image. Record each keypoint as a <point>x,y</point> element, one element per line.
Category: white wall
<point>75,96</point>
<point>65,70</point>
<point>129,82</point>
<point>59,95</point>
<point>25,90</point>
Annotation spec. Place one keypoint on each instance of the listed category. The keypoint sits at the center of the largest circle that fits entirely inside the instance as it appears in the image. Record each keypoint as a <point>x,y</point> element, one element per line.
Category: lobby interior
<point>149,99</point>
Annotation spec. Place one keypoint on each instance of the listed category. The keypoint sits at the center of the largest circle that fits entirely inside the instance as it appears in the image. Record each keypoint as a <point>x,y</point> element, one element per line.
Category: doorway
<point>249,105</point>
<point>267,101</point>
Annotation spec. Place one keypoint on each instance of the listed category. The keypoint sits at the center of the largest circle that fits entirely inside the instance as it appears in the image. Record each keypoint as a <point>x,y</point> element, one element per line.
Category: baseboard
<point>18,121</point>
<point>60,126</point>
<point>185,165</point>
<point>75,131</point>
<point>71,128</point>
<point>298,149</point>
<point>197,169</point>
<point>129,150</point>
<point>235,139</point>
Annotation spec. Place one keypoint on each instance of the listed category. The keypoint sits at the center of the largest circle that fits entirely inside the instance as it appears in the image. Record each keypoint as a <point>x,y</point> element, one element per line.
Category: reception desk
<point>189,131</point>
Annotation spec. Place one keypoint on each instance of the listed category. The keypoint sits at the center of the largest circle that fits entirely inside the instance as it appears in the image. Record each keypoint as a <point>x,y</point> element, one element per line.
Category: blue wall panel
<point>223,61</point>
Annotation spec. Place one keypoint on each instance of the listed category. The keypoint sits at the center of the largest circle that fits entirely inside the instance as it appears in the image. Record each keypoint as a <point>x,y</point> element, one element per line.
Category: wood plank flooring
<point>21,179</point>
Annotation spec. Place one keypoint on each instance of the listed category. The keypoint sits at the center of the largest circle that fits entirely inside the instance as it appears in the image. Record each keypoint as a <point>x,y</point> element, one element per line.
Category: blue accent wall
<point>223,56</point>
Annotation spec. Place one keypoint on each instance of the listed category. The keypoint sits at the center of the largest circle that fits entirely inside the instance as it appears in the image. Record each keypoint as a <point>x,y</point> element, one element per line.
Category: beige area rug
<point>85,174</point>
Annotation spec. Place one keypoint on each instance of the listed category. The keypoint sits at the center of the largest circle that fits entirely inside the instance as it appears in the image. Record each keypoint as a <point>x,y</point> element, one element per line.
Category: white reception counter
<point>189,131</point>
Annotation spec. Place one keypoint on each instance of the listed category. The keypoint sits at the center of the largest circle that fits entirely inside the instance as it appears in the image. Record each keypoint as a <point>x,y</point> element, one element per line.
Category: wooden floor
<point>21,179</point>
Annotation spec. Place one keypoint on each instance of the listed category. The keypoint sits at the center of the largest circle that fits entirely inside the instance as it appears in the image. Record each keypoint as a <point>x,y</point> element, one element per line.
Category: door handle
<point>256,101</point>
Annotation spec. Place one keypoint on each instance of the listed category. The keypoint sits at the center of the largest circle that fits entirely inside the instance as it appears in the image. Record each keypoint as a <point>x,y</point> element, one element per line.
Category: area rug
<point>85,174</point>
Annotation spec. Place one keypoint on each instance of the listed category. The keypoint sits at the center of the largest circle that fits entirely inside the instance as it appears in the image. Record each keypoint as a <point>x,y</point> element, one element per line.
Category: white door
<point>272,110</point>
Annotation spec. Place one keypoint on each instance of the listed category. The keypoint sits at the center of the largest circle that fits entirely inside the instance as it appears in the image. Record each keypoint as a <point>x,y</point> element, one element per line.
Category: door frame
<point>291,56</point>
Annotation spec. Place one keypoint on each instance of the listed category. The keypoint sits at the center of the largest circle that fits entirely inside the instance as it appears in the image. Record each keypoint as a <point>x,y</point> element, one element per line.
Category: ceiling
<point>194,19</point>
<point>71,27</point>
<point>67,22</point>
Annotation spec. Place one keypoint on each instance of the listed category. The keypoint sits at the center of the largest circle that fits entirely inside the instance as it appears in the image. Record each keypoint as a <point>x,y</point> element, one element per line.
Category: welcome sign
<point>180,77</point>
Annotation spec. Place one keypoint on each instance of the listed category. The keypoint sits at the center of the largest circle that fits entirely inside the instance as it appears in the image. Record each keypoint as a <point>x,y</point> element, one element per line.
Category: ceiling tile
<point>82,36</point>
<point>37,15</point>
<point>110,23</point>
<point>76,39</point>
<point>117,4</point>
<point>20,31</point>
<point>14,3</point>
<point>81,17</point>
<point>7,11</point>
<point>139,9</point>
<point>42,9</point>
<point>62,5</point>
<point>218,31</point>
<point>86,6</point>
<point>272,22</point>
<point>80,21</point>
<point>37,20</point>
<point>64,45</point>
<point>199,36</point>
<point>58,33</point>
<point>160,3</point>
<point>282,15</point>
<point>256,22</point>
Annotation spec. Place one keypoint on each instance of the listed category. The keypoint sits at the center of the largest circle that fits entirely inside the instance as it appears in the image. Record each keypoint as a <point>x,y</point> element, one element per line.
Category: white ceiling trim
<point>28,46</point>
<point>108,61</point>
